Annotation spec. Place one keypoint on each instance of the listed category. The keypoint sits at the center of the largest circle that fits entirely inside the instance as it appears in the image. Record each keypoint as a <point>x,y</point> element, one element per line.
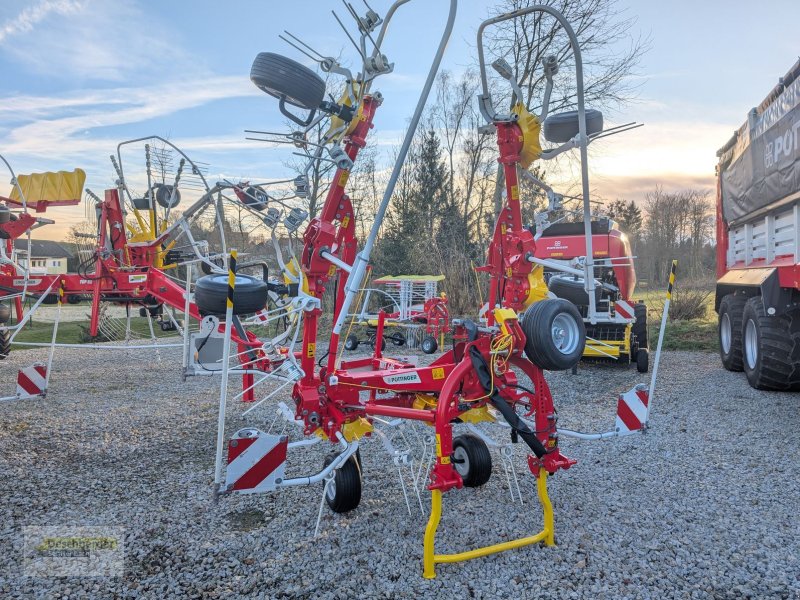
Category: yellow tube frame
<point>430,560</point>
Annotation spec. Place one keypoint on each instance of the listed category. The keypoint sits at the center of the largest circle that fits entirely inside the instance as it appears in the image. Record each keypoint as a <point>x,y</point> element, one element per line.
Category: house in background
<point>46,257</point>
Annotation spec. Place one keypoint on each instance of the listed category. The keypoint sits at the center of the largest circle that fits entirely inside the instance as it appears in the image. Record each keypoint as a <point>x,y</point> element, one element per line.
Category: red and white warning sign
<point>632,410</point>
<point>256,461</point>
<point>32,381</point>
<point>623,311</point>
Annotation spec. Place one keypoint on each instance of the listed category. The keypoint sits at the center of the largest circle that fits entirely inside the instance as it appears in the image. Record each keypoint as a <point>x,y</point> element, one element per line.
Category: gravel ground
<point>705,505</point>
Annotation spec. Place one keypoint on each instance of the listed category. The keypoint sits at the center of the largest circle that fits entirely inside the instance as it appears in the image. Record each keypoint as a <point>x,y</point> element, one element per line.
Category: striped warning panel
<point>32,381</point>
<point>632,410</point>
<point>256,461</point>
<point>623,310</point>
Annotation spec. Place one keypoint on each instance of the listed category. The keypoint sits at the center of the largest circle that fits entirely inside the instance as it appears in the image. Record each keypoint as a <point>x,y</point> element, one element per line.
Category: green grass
<point>76,332</point>
<point>696,334</point>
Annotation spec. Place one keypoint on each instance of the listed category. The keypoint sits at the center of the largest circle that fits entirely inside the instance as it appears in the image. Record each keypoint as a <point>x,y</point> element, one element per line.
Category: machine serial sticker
<point>412,377</point>
<point>30,282</point>
<point>137,278</point>
<point>438,373</point>
<point>515,192</point>
<point>310,351</point>
<point>346,222</point>
<point>343,178</point>
<point>331,270</point>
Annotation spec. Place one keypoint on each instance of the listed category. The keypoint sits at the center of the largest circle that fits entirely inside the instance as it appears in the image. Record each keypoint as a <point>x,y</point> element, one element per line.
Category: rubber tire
<point>211,294</point>
<point>639,328</point>
<point>429,344</point>
<point>479,460</point>
<point>283,77</point>
<point>562,127</point>
<point>74,299</point>
<point>732,305</point>
<point>642,360</point>
<point>372,343</point>
<point>351,342</point>
<point>539,346</point>
<point>398,339</point>
<point>778,354</point>
<point>347,493</point>
<point>163,195</point>
<point>256,198</point>
<point>5,343</point>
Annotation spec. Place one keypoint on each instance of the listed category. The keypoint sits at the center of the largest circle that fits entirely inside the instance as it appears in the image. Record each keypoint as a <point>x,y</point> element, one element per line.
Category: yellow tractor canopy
<point>41,190</point>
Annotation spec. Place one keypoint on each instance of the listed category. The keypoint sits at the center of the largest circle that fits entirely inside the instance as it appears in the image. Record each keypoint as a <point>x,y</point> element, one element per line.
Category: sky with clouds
<point>79,76</point>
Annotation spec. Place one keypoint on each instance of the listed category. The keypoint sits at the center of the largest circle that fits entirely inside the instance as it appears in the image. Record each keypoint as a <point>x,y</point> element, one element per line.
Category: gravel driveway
<point>706,505</point>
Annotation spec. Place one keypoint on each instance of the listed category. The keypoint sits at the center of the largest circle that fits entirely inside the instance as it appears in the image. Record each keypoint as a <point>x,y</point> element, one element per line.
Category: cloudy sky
<point>79,76</point>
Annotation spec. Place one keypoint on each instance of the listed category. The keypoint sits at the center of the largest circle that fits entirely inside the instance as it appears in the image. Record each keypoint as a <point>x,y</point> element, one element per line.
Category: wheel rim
<point>331,493</point>
<point>564,332</point>
<point>725,333</point>
<point>461,462</point>
<point>751,343</point>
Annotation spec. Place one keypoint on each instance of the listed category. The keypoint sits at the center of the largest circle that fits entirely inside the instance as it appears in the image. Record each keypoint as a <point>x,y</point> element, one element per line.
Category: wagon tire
<point>729,331</point>
<point>472,460</point>
<point>771,347</point>
<point>344,492</point>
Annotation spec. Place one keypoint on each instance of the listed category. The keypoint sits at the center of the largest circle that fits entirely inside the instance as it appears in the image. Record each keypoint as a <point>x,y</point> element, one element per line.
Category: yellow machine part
<point>346,100</point>
<point>57,187</point>
<point>531,129</point>
<point>477,415</point>
<point>354,430</point>
<point>538,286</point>
<point>294,269</point>
<point>609,348</point>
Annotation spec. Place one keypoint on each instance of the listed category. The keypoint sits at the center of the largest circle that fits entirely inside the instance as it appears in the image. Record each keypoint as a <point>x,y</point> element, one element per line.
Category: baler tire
<point>771,347</point>
<point>642,360</point>
<point>541,347</point>
<point>344,493</point>
<point>211,294</point>
<point>730,326</point>
<point>429,344</point>
<point>283,77</point>
<point>351,342</point>
<point>472,460</point>
<point>5,343</point>
<point>639,328</point>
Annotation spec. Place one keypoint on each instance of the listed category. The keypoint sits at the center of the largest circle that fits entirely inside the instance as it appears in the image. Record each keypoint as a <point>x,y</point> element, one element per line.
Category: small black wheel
<point>344,492</point>
<point>285,78</point>
<point>5,343</point>
<point>74,299</point>
<point>429,345</point>
<point>472,460</point>
<point>729,330</point>
<point>639,328</point>
<point>642,360</point>
<point>372,342</point>
<point>351,342</point>
<point>211,294</point>
<point>398,339</point>
<point>555,334</point>
<point>142,311</point>
<point>165,196</point>
<point>562,127</point>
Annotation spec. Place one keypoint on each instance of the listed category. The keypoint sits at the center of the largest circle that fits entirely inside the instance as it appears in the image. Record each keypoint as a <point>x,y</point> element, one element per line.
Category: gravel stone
<point>705,505</point>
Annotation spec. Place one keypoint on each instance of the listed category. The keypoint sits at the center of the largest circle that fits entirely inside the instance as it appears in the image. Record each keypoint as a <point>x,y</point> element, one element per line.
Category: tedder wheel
<point>639,328</point>
<point>351,342</point>
<point>771,352</point>
<point>731,311</point>
<point>5,343</point>
<point>211,293</point>
<point>555,334</point>
<point>429,344</point>
<point>285,78</point>
<point>562,127</point>
<point>398,339</point>
<point>344,492</point>
<point>642,360</point>
<point>472,460</point>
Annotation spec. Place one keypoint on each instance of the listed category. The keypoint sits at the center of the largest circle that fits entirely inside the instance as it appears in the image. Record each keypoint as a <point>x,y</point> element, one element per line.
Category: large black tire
<point>351,342</point>
<point>5,343</point>
<point>729,331</point>
<point>211,294</point>
<point>285,78</point>
<point>771,347</point>
<point>562,127</point>
<point>555,334</point>
<point>639,328</point>
<point>642,360</point>
<point>472,460</point>
<point>344,494</point>
<point>429,344</point>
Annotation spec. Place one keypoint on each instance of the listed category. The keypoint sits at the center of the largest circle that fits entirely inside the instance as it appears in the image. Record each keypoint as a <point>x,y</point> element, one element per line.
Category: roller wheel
<point>771,347</point>
<point>351,342</point>
<point>5,343</point>
<point>429,345</point>
<point>472,460</point>
<point>344,493</point>
<point>642,360</point>
<point>285,78</point>
<point>639,328</point>
<point>211,294</point>
<point>729,329</point>
<point>555,334</point>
